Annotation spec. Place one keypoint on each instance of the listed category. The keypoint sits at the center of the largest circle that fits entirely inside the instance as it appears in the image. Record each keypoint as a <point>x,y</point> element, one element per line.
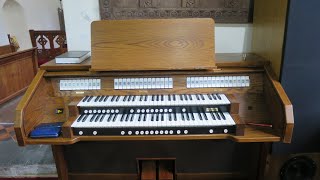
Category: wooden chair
<point>49,43</point>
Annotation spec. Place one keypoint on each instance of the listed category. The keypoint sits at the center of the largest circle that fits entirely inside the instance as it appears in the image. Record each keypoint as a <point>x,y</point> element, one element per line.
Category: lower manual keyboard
<point>133,124</point>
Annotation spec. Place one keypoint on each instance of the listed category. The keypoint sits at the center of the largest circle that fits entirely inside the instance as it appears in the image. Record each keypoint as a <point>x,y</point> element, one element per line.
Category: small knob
<point>80,133</point>
<point>117,111</point>
<point>184,110</point>
<point>131,111</point>
<point>185,131</point>
<point>122,133</point>
<point>130,132</point>
<point>95,133</point>
<point>178,132</point>
<point>225,131</point>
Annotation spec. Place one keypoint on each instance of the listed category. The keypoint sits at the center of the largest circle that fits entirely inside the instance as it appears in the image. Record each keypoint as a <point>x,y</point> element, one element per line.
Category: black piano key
<point>146,98</point>
<point>174,97</point>
<point>97,98</point>
<point>141,97</point>
<point>84,118</point>
<point>152,117</point>
<point>170,116</point>
<point>126,117</point>
<point>117,98</point>
<point>144,117</point>
<point>175,116</point>
<point>134,98</point>
<point>202,97</point>
<point>89,99</point>
<point>122,117</point>
<point>101,98</point>
<point>209,96</point>
<point>93,117</point>
<point>213,116</point>
<point>181,98</point>
<point>162,98</point>
<point>214,96</point>
<point>157,98</point>
<point>112,99</point>
<point>186,97</point>
<point>105,99</point>
<point>152,99</point>
<point>182,116</point>
<point>162,118</point>
<point>217,115</point>
<point>205,116</point>
<point>198,97</point>
<point>130,97</point>
<point>110,117</point>
<point>102,117</point>
<point>139,118</point>
<point>222,115</point>
<point>192,116</point>
<point>169,97</point>
<point>125,98</point>
<point>79,119</point>
<point>85,98</point>
<point>190,97</point>
<point>114,117</point>
<point>219,97</point>
<point>97,118</point>
<point>187,116</point>
<point>157,118</point>
<point>131,118</point>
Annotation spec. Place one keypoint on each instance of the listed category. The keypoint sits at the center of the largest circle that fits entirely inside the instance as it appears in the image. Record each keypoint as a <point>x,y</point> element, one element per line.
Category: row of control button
<point>101,111</point>
<point>153,132</point>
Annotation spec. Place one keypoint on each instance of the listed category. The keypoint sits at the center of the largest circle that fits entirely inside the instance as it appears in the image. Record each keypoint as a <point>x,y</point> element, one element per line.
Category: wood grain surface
<point>16,73</point>
<point>161,44</point>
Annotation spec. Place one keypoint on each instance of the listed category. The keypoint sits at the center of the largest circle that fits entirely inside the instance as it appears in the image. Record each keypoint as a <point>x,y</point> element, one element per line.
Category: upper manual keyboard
<point>154,100</point>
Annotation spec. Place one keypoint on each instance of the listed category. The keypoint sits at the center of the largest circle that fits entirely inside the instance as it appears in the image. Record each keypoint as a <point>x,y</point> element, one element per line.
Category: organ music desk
<point>154,103</point>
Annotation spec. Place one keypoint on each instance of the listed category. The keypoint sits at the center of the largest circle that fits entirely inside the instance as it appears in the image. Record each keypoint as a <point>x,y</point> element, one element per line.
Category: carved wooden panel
<point>222,11</point>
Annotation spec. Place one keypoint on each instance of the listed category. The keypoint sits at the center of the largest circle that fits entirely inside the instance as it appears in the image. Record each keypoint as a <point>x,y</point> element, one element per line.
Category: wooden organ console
<point>154,103</point>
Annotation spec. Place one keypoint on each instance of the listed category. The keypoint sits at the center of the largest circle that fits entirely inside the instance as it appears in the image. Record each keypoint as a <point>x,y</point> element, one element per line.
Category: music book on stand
<point>72,57</point>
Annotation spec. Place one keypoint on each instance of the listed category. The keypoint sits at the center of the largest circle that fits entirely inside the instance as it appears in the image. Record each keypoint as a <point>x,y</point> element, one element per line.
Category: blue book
<point>47,130</point>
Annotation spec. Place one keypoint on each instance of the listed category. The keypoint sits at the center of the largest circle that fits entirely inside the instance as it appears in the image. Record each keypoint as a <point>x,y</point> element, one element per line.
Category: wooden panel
<point>223,11</point>
<point>269,23</point>
<point>61,163</point>
<point>5,49</point>
<point>100,176</point>
<point>135,45</point>
<point>16,73</point>
<point>148,170</point>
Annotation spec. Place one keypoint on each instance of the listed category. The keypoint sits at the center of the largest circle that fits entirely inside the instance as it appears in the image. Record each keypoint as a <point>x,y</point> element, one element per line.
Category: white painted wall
<point>23,15</point>
<point>78,15</point>
<point>229,38</point>
<point>3,34</point>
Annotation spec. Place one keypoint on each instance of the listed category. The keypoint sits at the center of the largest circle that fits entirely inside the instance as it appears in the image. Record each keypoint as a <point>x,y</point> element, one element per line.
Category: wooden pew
<point>16,73</point>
